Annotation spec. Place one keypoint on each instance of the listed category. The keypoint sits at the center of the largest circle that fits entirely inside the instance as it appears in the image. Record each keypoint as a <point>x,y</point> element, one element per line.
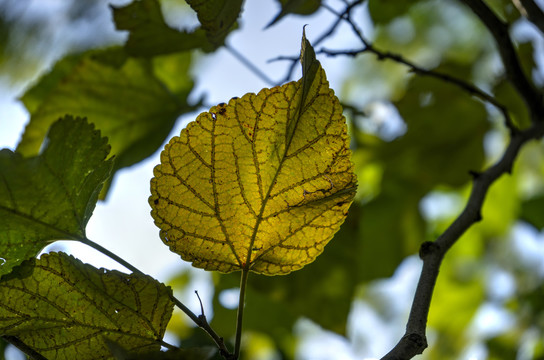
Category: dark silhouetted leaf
<point>300,7</point>
<point>390,229</point>
<point>150,35</point>
<point>217,17</point>
<point>532,211</point>
<point>443,123</point>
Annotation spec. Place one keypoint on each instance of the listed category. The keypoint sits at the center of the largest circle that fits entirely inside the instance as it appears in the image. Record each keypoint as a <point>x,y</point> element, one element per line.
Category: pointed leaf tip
<point>307,55</point>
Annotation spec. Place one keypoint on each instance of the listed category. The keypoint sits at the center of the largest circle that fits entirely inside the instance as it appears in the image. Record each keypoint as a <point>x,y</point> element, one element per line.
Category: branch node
<point>225,354</point>
<point>426,249</point>
<point>479,217</point>
<point>409,346</point>
<point>418,341</point>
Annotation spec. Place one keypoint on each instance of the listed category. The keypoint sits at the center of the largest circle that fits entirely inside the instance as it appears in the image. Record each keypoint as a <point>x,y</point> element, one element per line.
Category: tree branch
<point>464,85</point>
<point>470,88</point>
<point>532,12</point>
<point>200,320</point>
<point>432,253</point>
<point>340,16</point>
<point>512,66</point>
<point>31,353</point>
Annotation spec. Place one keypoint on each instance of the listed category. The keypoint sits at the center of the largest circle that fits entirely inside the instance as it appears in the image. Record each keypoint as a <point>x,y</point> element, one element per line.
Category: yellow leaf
<point>261,183</point>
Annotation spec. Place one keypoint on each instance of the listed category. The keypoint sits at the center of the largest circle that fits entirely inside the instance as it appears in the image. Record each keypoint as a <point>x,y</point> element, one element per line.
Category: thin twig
<point>509,57</point>
<point>470,88</point>
<point>466,86</point>
<point>294,59</point>
<point>244,60</point>
<point>414,341</point>
<point>340,16</point>
<point>200,321</point>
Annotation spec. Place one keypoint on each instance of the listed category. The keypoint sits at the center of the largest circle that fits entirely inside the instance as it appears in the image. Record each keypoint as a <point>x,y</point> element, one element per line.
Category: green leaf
<point>510,98</point>
<point>502,207</point>
<point>122,96</point>
<point>384,11</point>
<point>261,183</point>
<point>504,346</point>
<point>532,211</point>
<point>64,309</point>
<point>390,229</point>
<point>169,70</point>
<point>51,196</point>
<point>300,7</point>
<point>217,17</point>
<point>443,122</point>
<point>3,346</point>
<point>150,35</point>
<point>505,9</point>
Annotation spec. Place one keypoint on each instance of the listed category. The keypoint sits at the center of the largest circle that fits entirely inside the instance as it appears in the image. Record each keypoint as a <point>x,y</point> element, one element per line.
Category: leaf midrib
<point>298,115</point>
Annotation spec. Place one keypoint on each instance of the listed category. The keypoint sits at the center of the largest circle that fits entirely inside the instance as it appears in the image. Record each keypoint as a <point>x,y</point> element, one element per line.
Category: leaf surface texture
<point>50,196</point>
<point>122,96</point>
<point>64,309</point>
<point>261,183</point>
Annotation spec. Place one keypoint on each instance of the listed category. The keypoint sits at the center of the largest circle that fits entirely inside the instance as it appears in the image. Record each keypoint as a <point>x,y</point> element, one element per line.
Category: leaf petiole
<point>111,255</point>
<point>240,315</point>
